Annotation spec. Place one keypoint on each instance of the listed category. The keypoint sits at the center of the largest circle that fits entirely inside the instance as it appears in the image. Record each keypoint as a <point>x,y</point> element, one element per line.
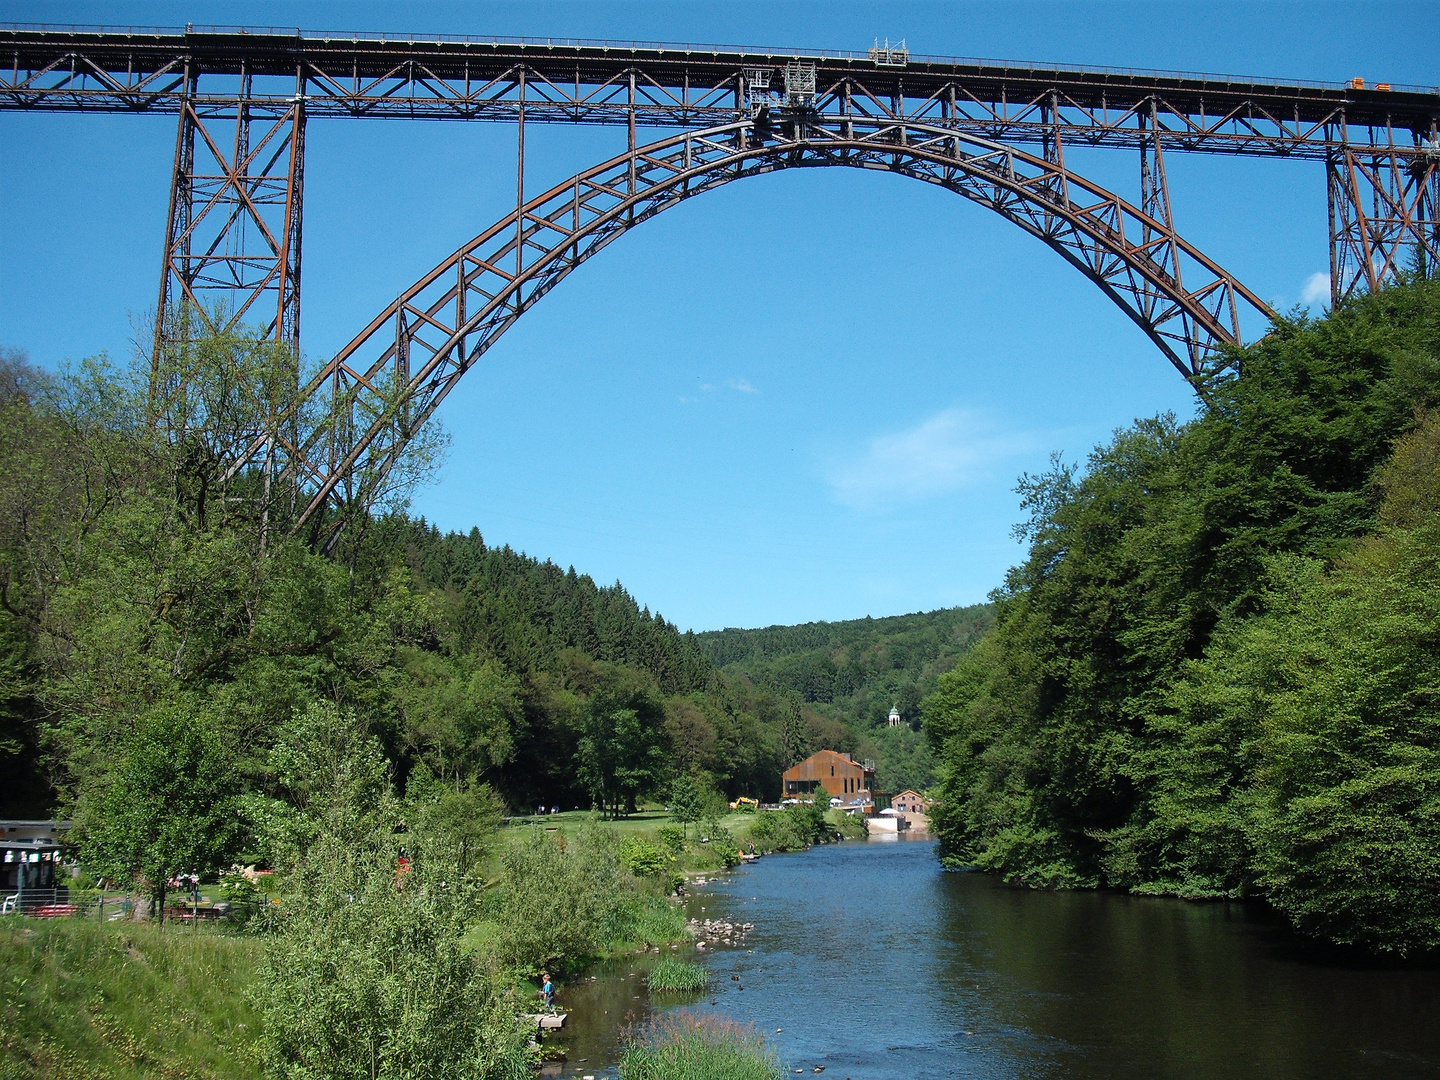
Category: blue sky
<point>807,396</point>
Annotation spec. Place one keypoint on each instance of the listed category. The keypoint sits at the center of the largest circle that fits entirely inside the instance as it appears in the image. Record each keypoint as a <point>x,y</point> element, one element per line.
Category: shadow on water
<point>601,1005</point>
<point>870,961</point>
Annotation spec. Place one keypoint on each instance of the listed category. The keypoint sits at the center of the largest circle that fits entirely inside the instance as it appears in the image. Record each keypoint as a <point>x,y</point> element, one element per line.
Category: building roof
<point>824,755</point>
<point>11,824</point>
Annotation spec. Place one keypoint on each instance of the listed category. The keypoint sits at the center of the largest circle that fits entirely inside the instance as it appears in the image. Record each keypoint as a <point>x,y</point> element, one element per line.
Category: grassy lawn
<point>89,1001</point>
<point>645,821</point>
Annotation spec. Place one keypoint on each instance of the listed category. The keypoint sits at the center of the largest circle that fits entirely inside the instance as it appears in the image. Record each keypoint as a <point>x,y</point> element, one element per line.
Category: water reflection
<point>599,1008</point>
<point>875,964</point>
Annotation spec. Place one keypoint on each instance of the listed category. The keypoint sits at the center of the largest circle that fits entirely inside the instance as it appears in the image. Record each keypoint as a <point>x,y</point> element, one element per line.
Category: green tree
<point>622,747</point>
<point>1315,770</point>
<point>330,779</point>
<point>687,801</point>
<point>167,808</point>
<point>463,717</point>
<point>369,976</point>
<point>452,823</point>
<point>1083,743</point>
<point>560,901</point>
<point>793,743</point>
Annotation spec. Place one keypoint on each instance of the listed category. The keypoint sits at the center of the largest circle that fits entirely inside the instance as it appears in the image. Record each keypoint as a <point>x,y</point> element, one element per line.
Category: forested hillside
<point>854,671</point>
<point>144,595</point>
<point>1217,674</point>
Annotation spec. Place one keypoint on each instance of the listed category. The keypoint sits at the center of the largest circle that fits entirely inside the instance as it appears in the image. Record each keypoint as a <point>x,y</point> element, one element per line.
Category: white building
<point>895,720</point>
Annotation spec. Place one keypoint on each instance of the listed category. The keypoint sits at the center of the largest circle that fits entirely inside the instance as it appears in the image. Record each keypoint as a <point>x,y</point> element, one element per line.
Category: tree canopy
<point>1211,675</point>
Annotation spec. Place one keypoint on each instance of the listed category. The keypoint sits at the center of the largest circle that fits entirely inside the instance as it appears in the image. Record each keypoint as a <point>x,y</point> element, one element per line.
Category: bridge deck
<point>142,69</point>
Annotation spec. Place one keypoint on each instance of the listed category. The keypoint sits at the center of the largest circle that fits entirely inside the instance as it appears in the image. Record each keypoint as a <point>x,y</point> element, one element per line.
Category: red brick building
<point>911,802</point>
<point>851,781</point>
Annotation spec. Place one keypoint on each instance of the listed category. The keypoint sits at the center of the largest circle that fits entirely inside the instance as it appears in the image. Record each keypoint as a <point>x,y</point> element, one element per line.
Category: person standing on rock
<point>547,990</point>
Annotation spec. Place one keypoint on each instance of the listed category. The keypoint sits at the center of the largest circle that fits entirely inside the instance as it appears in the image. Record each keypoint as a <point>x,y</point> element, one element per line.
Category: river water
<point>873,963</point>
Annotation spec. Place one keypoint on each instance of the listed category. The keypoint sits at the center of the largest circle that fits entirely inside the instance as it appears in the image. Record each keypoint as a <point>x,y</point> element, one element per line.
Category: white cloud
<point>1317,287</point>
<point>949,450</point>
<point>744,386</point>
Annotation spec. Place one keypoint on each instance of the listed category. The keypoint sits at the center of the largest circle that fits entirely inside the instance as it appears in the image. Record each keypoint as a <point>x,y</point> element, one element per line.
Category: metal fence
<point>64,903</point>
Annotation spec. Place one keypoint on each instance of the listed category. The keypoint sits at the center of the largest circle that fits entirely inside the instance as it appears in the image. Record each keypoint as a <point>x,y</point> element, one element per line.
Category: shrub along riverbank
<point>1215,675</point>
<point>368,967</point>
<point>407,937</point>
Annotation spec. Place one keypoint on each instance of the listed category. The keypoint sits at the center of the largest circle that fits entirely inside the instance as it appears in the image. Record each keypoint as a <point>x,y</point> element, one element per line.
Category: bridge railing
<point>779,53</point>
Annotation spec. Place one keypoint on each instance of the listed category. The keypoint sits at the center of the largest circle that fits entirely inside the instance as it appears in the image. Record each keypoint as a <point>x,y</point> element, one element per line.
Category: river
<point>868,960</point>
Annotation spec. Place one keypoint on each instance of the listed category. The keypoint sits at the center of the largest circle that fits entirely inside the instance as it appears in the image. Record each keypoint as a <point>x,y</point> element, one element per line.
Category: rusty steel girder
<point>1379,142</point>
<point>232,241</point>
<point>993,131</point>
<point>377,391</point>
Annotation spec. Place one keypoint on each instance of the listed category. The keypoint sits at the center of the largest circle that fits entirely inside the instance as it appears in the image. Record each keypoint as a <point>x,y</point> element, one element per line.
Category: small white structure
<point>887,821</point>
<point>895,720</point>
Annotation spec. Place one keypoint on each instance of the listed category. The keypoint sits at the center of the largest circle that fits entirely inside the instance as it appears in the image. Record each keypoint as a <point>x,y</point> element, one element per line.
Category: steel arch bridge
<point>994,133</point>
<point>419,347</point>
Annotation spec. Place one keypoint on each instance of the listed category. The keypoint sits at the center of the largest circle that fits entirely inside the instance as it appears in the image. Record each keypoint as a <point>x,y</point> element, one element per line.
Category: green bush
<point>850,826</point>
<point>644,858</point>
<point>377,983</point>
<point>236,888</point>
<point>371,976</point>
<point>673,838</point>
<point>687,1046</point>
<point>677,976</point>
<point>791,829</point>
<point>725,852</point>
<point>775,830</point>
<point>720,850</point>
<point>560,901</point>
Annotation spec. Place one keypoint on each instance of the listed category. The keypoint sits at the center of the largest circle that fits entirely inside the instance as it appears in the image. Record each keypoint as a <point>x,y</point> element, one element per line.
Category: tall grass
<point>82,1000</point>
<point>659,923</point>
<point>677,976</point>
<point>694,1046</point>
<point>643,919</point>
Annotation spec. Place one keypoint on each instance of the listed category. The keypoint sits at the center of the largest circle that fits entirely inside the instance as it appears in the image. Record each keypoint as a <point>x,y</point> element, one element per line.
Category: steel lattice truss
<point>1381,144</point>
<point>235,217</point>
<point>994,132</point>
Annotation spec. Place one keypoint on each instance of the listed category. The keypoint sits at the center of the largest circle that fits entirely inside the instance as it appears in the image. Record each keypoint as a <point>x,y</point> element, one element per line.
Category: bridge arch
<point>376,392</point>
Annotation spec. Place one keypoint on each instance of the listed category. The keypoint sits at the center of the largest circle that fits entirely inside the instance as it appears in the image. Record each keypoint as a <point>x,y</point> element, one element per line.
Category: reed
<point>677,976</point>
<point>697,1046</point>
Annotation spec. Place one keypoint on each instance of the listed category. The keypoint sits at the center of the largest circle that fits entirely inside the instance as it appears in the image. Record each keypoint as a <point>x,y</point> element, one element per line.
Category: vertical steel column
<point>177,221</point>
<point>631,178</point>
<point>520,189</point>
<point>1155,192</point>
<point>740,109</point>
<point>287,316</point>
